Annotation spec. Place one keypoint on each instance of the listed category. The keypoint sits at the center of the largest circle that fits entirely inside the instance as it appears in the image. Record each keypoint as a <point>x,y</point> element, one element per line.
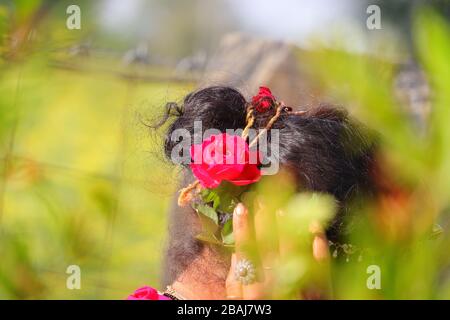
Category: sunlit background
<point>83,180</point>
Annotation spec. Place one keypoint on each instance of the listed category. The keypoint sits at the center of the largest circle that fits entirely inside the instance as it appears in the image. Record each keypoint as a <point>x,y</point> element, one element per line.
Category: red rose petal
<point>206,180</point>
<point>223,157</point>
<point>249,175</point>
<point>144,293</point>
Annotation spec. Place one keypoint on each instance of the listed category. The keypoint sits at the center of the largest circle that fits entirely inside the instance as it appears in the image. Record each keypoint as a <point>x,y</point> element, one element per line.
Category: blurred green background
<point>82,179</point>
<point>80,183</point>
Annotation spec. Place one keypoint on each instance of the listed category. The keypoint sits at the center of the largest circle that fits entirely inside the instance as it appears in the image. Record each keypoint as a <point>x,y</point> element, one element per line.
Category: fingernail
<point>239,210</point>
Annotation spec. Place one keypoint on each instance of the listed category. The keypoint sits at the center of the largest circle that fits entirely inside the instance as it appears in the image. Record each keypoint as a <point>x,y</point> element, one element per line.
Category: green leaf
<point>229,196</point>
<point>209,196</point>
<point>433,45</point>
<point>208,212</point>
<point>223,198</point>
<point>227,233</point>
<point>210,223</point>
<point>208,237</point>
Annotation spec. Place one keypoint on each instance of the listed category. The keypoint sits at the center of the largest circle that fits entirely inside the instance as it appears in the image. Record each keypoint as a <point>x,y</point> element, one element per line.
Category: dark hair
<point>324,148</point>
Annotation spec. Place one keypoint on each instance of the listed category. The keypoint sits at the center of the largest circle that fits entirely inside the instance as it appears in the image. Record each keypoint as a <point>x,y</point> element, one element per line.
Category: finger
<point>284,244</point>
<point>244,235</point>
<point>232,286</point>
<point>320,247</point>
<point>266,239</point>
<point>241,231</point>
<point>321,254</point>
<point>320,242</point>
<point>245,249</point>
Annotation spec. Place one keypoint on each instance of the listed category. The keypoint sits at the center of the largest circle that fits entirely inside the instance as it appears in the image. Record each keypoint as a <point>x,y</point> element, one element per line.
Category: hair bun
<point>215,107</point>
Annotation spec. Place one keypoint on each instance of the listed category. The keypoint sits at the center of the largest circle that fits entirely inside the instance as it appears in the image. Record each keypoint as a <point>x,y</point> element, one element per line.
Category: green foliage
<point>78,185</point>
<point>221,200</point>
<point>398,233</point>
<point>79,179</point>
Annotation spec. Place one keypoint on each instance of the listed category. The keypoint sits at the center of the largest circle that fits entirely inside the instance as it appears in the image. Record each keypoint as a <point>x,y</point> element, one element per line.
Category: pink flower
<point>147,293</point>
<point>224,157</point>
<point>264,100</point>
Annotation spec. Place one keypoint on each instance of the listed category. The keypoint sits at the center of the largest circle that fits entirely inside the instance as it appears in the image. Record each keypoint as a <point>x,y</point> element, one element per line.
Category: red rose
<point>264,100</point>
<point>224,157</point>
<point>147,293</point>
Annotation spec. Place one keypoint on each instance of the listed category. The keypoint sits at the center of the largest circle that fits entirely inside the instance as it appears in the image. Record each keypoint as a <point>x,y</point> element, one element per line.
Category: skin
<point>248,232</point>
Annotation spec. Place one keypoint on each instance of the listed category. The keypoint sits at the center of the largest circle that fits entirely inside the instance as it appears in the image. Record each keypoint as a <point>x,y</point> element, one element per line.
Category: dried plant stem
<point>268,126</point>
<point>185,194</point>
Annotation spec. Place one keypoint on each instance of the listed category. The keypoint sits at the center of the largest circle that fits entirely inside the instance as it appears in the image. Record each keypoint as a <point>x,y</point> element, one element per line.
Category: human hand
<point>259,246</point>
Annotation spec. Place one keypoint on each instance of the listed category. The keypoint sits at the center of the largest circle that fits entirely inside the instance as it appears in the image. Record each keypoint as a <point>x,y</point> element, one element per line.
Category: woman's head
<point>324,150</point>
<point>322,147</point>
